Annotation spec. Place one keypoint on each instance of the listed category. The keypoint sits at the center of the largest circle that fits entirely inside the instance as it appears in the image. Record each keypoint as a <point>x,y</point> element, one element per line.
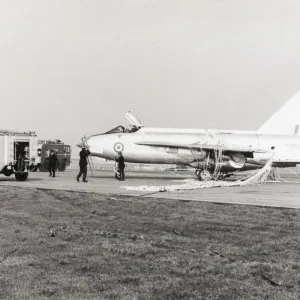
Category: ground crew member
<point>52,163</point>
<point>121,165</point>
<point>84,153</point>
<point>21,160</point>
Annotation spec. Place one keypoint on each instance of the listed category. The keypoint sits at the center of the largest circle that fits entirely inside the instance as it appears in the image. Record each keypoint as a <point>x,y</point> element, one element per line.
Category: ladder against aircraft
<point>89,158</point>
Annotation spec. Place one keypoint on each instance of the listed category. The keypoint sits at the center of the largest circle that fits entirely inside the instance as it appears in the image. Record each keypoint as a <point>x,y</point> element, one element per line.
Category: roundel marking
<point>118,147</point>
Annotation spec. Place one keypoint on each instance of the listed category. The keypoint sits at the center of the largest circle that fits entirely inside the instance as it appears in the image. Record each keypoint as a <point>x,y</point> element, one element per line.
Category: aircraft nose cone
<point>80,144</point>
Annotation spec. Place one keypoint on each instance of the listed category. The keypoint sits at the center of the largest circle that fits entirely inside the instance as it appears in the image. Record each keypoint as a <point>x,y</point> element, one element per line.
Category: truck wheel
<point>21,176</point>
<point>7,170</point>
<point>8,173</point>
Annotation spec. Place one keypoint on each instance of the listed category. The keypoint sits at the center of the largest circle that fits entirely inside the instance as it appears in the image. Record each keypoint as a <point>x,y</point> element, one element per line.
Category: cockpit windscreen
<point>122,129</point>
<point>119,129</point>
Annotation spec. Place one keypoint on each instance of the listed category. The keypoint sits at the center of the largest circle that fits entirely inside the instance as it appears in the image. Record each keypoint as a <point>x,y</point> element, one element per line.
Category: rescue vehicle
<point>41,161</point>
<point>17,149</point>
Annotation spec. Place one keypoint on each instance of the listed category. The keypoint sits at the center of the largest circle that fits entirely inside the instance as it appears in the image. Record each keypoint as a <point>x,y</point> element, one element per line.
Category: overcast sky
<point>74,67</point>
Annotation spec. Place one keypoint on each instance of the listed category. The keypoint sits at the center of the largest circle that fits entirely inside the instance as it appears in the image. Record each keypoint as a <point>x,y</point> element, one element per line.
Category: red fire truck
<point>62,151</point>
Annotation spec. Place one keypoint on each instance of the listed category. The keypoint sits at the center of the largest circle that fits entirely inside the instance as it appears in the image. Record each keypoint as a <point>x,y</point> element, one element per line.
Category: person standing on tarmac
<point>84,153</point>
<point>121,165</point>
<point>52,163</point>
<point>21,159</point>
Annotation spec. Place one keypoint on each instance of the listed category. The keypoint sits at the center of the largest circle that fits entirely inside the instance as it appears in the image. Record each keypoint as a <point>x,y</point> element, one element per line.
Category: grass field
<point>64,245</point>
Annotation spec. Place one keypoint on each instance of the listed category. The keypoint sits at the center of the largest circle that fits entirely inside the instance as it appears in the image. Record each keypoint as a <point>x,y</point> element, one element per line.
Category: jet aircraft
<point>208,151</point>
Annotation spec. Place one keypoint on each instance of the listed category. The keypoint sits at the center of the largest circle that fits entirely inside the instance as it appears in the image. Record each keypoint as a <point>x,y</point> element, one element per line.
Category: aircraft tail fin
<point>286,120</point>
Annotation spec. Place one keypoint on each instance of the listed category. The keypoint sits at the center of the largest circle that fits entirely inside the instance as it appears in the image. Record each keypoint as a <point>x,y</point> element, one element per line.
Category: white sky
<point>70,67</point>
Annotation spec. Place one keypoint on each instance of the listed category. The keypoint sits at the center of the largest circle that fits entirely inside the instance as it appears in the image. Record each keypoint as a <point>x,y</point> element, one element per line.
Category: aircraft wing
<point>220,146</point>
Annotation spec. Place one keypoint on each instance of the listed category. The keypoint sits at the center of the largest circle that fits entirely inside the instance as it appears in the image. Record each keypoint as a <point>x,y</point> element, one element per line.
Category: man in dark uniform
<point>21,159</point>
<point>52,163</point>
<point>121,165</point>
<point>84,153</point>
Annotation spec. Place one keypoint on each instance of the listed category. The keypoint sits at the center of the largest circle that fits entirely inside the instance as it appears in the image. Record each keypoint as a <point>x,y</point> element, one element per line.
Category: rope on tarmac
<point>258,178</point>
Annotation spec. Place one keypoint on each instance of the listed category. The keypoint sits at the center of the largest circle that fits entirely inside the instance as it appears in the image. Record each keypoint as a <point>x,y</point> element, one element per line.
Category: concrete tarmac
<point>276,194</point>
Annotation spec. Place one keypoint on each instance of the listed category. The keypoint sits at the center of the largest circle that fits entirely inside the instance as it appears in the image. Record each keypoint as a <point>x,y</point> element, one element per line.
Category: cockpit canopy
<point>122,129</point>
<point>118,129</point>
<point>133,120</point>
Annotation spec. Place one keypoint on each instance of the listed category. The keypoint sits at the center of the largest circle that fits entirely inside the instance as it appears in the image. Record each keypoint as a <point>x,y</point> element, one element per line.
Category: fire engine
<point>41,161</point>
<point>17,149</point>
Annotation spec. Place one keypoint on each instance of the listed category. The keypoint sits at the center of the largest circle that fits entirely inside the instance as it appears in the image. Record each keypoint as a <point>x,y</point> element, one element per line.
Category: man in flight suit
<point>84,153</point>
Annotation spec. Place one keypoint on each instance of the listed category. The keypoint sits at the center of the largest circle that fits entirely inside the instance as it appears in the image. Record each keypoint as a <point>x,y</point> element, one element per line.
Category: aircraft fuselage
<point>284,149</point>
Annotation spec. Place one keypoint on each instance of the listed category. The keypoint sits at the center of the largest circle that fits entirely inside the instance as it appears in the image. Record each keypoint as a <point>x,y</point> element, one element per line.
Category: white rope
<point>258,178</point>
<point>218,163</point>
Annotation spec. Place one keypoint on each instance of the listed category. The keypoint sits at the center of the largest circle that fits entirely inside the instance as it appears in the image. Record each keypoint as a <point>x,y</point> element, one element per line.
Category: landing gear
<point>223,176</point>
<point>203,175</point>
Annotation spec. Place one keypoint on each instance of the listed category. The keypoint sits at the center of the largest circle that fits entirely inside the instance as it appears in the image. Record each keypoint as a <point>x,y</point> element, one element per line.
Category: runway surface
<point>277,194</point>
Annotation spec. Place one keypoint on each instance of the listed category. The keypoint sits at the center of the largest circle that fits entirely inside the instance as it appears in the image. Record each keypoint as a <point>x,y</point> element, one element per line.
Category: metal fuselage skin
<point>283,149</point>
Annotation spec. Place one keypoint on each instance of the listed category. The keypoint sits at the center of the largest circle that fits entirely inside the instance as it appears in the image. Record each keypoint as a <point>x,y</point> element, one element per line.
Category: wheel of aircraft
<point>205,175</point>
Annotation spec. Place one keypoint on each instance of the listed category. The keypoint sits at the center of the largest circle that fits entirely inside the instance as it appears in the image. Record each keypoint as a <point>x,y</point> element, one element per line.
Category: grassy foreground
<point>63,245</point>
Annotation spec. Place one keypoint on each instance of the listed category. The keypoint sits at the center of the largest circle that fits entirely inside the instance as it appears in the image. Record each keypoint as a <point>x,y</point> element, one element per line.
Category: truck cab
<point>41,161</point>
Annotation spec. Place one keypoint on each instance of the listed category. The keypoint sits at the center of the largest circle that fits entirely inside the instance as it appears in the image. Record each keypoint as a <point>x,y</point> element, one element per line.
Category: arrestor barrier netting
<point>256,177</point>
